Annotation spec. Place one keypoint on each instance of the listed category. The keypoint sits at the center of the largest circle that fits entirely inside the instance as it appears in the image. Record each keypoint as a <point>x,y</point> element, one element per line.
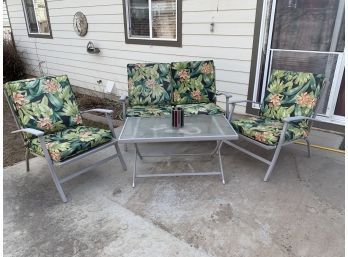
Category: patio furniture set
<point>47,115</point>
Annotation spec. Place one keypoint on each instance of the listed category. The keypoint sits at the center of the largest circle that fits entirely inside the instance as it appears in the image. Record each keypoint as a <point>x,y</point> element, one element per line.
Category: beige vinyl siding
<point>230,44</point>
<point>6,22</point>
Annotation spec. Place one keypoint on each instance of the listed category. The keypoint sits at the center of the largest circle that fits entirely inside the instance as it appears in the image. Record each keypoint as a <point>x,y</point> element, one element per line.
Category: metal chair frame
<point>52,165</point>
<point>281,142</point>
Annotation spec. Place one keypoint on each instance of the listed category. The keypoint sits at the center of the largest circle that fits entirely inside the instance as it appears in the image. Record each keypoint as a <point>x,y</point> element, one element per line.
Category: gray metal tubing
<point>138,152</point>
<point>124,109</point>
<point>52,170</point>
<point>135,168</point>
<point>69,177</point>
<point>220,163</point>
<point>276,153</point>
<point>308,146</point>
<point>249,153</point>
<point>119,154</point>
<point>178,174</point>
<point>27,159</point>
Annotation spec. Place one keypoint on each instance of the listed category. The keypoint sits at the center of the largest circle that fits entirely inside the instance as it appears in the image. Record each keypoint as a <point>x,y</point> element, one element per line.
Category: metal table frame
<point>217,151</point>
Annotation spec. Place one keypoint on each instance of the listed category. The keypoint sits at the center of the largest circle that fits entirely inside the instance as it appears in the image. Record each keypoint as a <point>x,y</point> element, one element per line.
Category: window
<point>152,22</point>
<point>36,16</point>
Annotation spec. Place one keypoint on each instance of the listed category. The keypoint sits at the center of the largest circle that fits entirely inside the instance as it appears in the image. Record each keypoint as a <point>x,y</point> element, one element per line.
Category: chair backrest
<point>47,104</point>
<point>193,82</point>
<point>291,93</point>
<point>149,84</point>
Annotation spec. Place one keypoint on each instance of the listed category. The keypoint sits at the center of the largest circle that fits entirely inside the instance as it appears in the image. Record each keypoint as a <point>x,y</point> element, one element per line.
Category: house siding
<point>230,45</point>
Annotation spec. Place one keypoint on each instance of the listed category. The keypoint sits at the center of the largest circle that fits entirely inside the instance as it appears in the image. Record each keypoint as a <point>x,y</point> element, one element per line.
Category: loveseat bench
<point>153,88</point>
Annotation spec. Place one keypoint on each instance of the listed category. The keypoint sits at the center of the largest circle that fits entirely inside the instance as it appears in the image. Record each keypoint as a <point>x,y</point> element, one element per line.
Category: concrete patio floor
<point>300,212</point>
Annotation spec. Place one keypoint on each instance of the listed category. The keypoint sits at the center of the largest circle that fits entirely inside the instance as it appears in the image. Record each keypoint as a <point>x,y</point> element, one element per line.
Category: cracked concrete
<point>299,213</point>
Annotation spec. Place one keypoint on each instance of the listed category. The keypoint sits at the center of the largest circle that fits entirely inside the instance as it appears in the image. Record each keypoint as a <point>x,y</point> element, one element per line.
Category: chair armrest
<point>32,131</point>
<point>228,96</point>
<point>106,111</point>
<point>243,101</point>
<point>297,118</point>
<point>223,93</point>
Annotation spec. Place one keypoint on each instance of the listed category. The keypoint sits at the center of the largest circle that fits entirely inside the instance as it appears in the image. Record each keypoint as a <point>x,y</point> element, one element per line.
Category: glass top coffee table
<point>138,130</point>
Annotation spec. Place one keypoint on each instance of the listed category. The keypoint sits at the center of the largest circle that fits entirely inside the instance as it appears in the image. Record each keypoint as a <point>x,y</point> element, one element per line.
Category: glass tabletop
<point>196,128</point>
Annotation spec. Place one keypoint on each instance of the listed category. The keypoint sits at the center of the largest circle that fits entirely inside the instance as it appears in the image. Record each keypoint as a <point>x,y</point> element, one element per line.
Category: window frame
<point>157,41</point>
<point>33,34</point>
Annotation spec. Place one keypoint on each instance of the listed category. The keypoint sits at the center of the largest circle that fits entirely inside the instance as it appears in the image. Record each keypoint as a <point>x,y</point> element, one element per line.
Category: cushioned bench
<point>153,88</point>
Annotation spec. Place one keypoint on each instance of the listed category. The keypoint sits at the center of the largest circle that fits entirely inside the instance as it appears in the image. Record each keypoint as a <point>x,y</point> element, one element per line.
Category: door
<point>308,36</point>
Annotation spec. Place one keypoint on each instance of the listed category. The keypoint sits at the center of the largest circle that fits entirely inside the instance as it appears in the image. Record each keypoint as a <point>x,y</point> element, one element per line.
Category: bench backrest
<point>47,104</point>
<point>149,84</point>
<point>193,82</point>
<point>171,83</point>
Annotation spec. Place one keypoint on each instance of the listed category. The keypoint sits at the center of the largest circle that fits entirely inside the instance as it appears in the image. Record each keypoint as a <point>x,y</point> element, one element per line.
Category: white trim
<point>150,18</point>
<point>336,84</point>
<point>259,52</point>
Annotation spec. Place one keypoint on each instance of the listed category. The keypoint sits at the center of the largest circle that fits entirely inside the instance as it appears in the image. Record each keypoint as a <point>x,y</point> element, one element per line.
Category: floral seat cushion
<point>149,84</point>
<point>148,111</point>
<point>291,94</point>
<point>201,108</point>
<point>193,82</point>
<point>70,142</point>
<point>267,131</point>
<point>46,104</point>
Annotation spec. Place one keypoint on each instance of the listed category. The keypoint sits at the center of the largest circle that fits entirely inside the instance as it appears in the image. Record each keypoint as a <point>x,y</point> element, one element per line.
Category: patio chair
<point>47,115</point>
<point>286,114</point>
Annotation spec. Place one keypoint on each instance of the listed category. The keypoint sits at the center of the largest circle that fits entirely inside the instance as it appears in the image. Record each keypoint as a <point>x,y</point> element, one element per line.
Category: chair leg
<point>56,181</point>
<point>27,159</point>
<point>124,166</point>
<point>125,147</point>
<point>308,146</point>
<point>273,162</point>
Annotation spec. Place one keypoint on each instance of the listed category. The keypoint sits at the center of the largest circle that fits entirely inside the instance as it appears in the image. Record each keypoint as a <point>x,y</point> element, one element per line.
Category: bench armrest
<point>32,131</point>
<point>99,110</point>
<point>228,96</point>
<point>243,101</point>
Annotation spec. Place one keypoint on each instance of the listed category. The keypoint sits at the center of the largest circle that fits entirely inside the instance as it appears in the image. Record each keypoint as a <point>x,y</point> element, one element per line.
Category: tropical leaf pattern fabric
<point>201,108</point>
<point>47,104</point>
<point>149,111</point>
<point>291,94</point>
<point>267,131</point>
<point>70,142</point>
<point>149,84</point>
<point>193,82</point>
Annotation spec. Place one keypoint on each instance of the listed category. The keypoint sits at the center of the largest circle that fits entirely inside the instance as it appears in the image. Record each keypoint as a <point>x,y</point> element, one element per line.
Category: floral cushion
<point>291,94</point>
<point>149,84</point>
<point>201,108</point>
<point>267,131</point>
<point>46,104</point>
<point>193,82</point>
<point>70,142</point>
<point>148,111</point>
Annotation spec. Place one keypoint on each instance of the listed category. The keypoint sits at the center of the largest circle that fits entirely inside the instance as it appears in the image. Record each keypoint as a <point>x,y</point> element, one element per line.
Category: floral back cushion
<point>193,82</point>
<point>47,104</point>
<point>291,94</point>
<point>149,84</point>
